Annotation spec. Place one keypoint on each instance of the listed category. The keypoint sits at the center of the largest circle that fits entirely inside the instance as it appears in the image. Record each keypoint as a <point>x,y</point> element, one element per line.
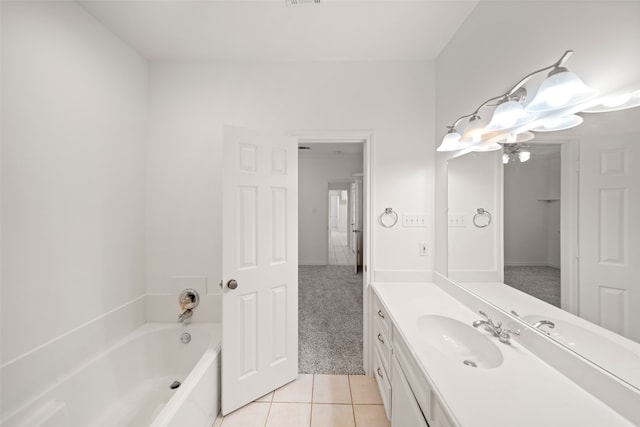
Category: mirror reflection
<point>563,237</point>
<point>532,220</point>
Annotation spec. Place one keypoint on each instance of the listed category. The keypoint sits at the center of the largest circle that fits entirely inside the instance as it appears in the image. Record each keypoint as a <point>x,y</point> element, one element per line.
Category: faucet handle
<point>483,314</point>
<point>189,299</point>
<point>505,335</point>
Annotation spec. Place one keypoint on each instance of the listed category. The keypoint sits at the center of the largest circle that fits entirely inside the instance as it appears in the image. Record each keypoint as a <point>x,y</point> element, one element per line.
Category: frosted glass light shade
<point>452,142</point>
<point>560,90</point>
<point>474,130</point>
<point>507,115</point>
<point>621,101</point>
<point>487,147</point>
<point>562,123</point>
<point>514,138</point>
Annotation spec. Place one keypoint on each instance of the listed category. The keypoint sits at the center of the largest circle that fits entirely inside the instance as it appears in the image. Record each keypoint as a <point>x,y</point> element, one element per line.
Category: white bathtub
<point>129,383</point>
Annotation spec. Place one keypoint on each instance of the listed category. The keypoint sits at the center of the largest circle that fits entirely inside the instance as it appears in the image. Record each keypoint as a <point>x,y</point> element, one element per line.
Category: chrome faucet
<point>187,314</point>
<point>538,325</point>
<point>189,300</point>
<point>504,335</point>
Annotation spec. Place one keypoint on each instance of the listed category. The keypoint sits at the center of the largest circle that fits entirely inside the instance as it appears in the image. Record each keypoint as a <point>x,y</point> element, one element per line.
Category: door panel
<point>610,233</point>
<point>260,253</point>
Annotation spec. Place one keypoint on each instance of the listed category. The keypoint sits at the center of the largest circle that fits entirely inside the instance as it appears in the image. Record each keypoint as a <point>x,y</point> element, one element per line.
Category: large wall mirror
<point>554,234</point>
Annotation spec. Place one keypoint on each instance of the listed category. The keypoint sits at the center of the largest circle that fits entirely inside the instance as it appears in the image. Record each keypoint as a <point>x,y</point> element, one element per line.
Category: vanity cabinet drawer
<point>382,344</point>
<point>384,383</point>
<point>381,316</point>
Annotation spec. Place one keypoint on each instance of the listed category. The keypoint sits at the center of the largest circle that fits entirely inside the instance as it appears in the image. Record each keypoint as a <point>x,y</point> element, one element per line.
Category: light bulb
<point>505,158</point>
<point>524,156</point>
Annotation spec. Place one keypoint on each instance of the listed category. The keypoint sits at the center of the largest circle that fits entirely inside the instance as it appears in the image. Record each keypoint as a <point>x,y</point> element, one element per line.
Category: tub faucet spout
<point>185,315</point>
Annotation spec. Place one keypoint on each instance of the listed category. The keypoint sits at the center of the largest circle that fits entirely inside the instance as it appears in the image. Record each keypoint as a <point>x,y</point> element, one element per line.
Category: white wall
<point>74,103</point>
<point>314,175</point>
<point>502,41</point>
<point>532,226</point>
<point>470,249</point>
<point>190,104</point>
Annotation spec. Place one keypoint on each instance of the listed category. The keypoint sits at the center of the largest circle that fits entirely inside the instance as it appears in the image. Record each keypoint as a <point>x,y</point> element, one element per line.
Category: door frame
<point>367,139</point>
<point>569,227</point>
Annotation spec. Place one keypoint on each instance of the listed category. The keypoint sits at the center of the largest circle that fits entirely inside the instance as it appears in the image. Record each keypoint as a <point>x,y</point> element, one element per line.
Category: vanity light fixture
<point>560,96</point>
<point>487,147</point>
<point>474,130</point>
<point>561,89</point>
<point>510,113</point>
<point>451,141</point>
<point>615,102</point>
<point>515,138</point>
<point>561,123</point>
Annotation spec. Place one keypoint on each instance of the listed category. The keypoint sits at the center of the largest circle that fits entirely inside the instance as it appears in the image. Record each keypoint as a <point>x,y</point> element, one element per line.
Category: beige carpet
<point>540,282</point>
<point>329,320</point>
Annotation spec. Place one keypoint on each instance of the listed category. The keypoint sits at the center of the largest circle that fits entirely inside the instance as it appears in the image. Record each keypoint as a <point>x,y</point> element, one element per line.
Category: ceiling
<point>270,30</point>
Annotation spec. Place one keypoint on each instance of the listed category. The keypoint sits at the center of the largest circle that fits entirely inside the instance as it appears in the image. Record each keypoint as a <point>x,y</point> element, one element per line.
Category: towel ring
<point>388,218</point>
<point>481,213</point>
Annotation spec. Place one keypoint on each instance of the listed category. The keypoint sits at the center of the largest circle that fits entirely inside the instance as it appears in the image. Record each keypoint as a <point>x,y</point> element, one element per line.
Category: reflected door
<point>260,265</point>
<point>355,224</point>
<point>610,233</point>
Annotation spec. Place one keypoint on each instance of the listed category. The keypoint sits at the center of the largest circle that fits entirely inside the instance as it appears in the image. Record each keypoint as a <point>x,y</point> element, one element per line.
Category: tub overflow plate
<point>185,338</point>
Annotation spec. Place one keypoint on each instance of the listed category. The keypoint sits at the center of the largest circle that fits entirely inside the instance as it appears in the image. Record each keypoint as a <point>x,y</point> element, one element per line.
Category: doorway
<point>532,221</point>
<point>331,285</point>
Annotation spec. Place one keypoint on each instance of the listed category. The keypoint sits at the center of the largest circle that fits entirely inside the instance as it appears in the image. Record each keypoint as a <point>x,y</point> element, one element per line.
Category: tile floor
<point>339,251</point>
<point>315,401</point>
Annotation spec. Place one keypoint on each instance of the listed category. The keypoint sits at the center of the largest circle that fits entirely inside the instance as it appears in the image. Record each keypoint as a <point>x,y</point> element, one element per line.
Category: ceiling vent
<point>301,2</point>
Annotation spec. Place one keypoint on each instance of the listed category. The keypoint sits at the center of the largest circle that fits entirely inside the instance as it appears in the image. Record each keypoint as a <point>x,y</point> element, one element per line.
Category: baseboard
<point>300,262</point>
<point>415,276</point>
<point>530,264</point>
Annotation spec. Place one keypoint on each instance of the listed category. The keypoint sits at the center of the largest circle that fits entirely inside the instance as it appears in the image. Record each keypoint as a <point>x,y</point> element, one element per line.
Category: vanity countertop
<point>521,391</point>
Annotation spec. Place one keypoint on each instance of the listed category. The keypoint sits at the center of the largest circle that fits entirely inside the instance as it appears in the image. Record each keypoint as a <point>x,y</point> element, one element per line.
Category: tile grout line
<point>353,409</point>
<point>313,384</point>
<point>266,421</point>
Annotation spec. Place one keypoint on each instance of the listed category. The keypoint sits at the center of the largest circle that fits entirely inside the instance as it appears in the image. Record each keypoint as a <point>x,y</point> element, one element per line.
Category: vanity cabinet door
<point>405,411</point>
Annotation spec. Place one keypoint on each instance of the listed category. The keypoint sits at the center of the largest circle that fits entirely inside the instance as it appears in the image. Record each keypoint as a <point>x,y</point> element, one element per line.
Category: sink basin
<point>459,342</point>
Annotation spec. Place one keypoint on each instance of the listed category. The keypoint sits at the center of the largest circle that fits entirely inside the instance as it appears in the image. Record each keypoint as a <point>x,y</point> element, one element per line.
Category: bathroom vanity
<point>434,368</point>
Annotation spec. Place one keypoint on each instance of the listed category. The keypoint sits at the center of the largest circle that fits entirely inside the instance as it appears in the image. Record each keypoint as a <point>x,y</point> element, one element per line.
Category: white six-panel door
<point>260,265</point>
<point>610,233</point>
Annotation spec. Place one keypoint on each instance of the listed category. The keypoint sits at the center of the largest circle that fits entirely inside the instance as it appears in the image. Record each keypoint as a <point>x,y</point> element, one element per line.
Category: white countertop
<point>522,391</point>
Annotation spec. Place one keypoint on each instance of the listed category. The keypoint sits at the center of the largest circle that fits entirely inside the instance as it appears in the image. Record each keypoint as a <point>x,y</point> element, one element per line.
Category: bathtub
<point>129,383</point>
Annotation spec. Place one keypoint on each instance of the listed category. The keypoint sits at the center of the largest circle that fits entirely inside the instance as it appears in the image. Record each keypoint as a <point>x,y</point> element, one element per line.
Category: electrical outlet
<point>423,248</point>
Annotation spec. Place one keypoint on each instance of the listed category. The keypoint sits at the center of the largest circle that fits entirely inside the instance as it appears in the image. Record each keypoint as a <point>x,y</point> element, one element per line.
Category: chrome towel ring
<point>388,218</point>
<point>480,217</point>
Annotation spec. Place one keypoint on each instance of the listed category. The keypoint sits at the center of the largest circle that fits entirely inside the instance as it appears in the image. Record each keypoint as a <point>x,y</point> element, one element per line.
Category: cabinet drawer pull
<point>380,314</point>
<point>379,373</point>
<point>380,338</point>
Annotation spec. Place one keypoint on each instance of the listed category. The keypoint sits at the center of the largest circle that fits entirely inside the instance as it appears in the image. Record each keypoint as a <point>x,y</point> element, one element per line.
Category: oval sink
<point>459,342</point>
